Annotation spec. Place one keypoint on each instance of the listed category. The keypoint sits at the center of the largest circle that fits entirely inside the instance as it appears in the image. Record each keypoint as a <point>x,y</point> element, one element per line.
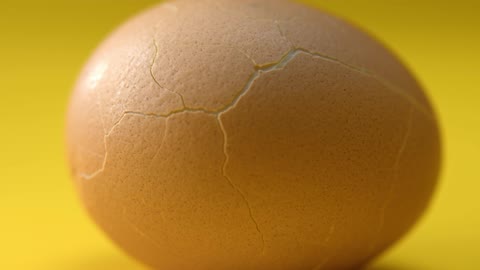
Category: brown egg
<point>258,134</point>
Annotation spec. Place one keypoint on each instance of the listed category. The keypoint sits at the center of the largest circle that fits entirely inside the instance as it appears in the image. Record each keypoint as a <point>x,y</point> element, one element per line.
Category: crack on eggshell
<point>259,70</point>
<point>395,177</point>
<point>155,79</point>
<point>277,66</point>
<point>325,243</point>
<point>100,108</point>
<point>105,137</point>
<point>389,85</point>
<point>322,264</point>
<point>165,131</point>
<point>258,66</point>
<point>282,34</point>
<point>135,228</point>
<point>329,236</point>
<point>244,53</point>
<point>118,122</point>
<point>235,187</point>
<point>287,57</point>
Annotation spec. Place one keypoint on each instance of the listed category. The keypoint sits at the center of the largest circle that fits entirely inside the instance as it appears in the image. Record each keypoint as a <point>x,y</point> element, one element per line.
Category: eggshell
<point>257,134</point>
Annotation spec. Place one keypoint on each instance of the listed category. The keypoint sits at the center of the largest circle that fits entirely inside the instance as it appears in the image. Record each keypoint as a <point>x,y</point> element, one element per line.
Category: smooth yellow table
<point>43,44</point>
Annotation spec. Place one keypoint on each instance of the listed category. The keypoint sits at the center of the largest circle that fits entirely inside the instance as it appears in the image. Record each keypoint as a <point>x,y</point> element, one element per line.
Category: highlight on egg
<point>253,134</point>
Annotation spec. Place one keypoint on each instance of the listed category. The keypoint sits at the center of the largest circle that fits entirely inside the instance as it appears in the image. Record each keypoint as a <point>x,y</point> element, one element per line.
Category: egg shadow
<point>383,267</point>
<point>102,261</point>
<point>97,262</point>
<point>387,267</point>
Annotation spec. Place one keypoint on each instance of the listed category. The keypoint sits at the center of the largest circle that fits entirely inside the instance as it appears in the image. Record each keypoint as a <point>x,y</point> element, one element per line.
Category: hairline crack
<point>259,70</point>
<point>395,177</point>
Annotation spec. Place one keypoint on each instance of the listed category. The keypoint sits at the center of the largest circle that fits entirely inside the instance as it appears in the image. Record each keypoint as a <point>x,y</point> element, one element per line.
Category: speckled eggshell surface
<point>253,134</point>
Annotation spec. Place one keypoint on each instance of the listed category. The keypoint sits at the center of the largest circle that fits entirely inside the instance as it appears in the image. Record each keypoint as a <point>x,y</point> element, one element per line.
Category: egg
<point>253,134</point>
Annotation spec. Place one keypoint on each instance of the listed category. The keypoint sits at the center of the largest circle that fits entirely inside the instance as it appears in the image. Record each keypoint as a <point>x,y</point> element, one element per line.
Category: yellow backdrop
<point>43,45</point>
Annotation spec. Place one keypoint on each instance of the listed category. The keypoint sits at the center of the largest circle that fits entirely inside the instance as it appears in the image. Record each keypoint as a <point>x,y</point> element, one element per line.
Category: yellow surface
<point>43,45</point>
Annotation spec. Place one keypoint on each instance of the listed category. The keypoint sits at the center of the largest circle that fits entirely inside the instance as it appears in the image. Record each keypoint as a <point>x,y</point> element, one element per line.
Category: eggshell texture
<point>253,134</point>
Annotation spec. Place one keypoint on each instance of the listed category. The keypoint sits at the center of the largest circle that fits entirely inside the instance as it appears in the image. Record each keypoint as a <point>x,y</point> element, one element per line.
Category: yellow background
<point>43,45</point>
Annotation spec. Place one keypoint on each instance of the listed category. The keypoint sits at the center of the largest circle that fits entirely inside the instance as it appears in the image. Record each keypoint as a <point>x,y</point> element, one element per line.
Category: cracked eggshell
<point>255,134</point>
